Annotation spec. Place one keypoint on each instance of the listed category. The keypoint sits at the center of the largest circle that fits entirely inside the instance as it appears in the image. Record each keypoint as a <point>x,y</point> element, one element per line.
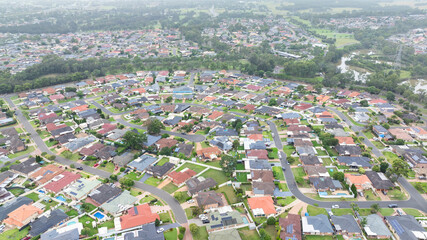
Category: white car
<point>335,206</point>
<point>190,201</point>
<point>160,230</point>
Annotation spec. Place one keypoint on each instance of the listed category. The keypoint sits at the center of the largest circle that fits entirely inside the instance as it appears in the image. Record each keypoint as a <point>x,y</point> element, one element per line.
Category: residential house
<point>290,227</point>
<point>406,227</point>
<point>262,206</point>
<point>196,185</point>
<point>119,204</point>
<point>380,131</point>
<point>376,228</point>
<point>355,162</point>
<point>22,216</point>
<point>316,171</point>
<point>166,142</point>
<point>102,194</point>
<point>263,188</point>
<point>310,160</point>
<point>348,150</point>
<point>46,222</point>
<point>185,149</point>
<point>209,153</point>
<point>61,181</point>
<point>179,178</point>
<point>45,174</point>
<point>346,225</point>
<point>142,163</point>
<point>210,199</point>
<point>12,206</point>
<point>147,231</point>
<point>316,225</point>
<point>81,188</point>
<point>323,184</point>
<point>379,181</point>
<point>159,171</point>
<point>361,182</point>
<point>261,176</point>
<point>140,215</point>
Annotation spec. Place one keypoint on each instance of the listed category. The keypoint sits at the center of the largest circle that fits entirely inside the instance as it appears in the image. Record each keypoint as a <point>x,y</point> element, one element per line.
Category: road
<point>165,196</point>
<point>189,137</point>
<point>415,201</point>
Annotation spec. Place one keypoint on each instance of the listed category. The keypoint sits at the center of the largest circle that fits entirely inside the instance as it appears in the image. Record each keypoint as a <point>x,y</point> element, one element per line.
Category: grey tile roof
<point>12,206</point>
<point>42,224</point>
<point>148,231</point>
<point>142,162</point>
<point>196,185</point>
<point>160,171</point>
<point>346,223</point>
<point>405,226</point>
<point>355,161</point>
<point>72,234</point>
<point>376,225</point>
<point>26,167</point>
<point>319,223</point>
<point>379,180</point>
<point>104,193</point>
<point>259,164</point>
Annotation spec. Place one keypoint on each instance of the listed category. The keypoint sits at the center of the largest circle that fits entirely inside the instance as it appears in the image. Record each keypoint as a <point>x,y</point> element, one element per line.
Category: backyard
<point>191,166</point>
<point>218,176</point>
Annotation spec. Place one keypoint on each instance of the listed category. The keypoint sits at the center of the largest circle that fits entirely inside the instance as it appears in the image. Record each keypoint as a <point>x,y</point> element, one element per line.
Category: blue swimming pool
<point>323,194</point>
<point>61,198</point>
<point>341,194</point>
<point>245,220</point>
<point>41,191</point>
<point>99,215</point>
<point>71,223</point>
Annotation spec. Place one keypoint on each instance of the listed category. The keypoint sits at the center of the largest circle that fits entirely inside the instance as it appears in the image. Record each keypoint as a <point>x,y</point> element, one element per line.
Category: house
<point>380,131</point>
<point>325,184</point>
<point>159,171</point>
<point>180,177</point>
<point>376,228</point>
<point>417,132</point>
<point>166,142</point>
<point>257,164</point>
<point>102,194</point>
<point>147,231</point>
<point>290,227</point>
<point>398,133</point>
<point>345,140</point>
<point>316,225</point>
<point>196,185</point>
<point>346,225</point>
<point>310,160</point>
<point>185,149</point>
<point>222,143</point>
<point>361,117</point>
<point>355,162</point>
<point>81,188</point>
<point>26,167</point>
<point>119,204</point>
<point>262,206</point>
<point>70,232</point>
<point>136,216</point>
<point>46,222</point>
<point>406,227</point>
<point>263,188</point>
<point>348,150</point>
<point>361,182</point>
<point>257,153</point>
<point>12,206</point>
<point>306,150</point>
<point>210,199</point>
<point>141,163</point>
<point>215,114</point>
<point>415,159</point>
<point>22,216</point>
<point>261,176</point>
<point>209,153</point>
<point>61,181</point>
<point>47,173</point>
<point>379,181</point>
<point>316,171</point>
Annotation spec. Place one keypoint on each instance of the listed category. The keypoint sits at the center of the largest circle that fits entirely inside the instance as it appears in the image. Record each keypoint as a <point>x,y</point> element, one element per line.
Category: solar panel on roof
<point>397,227</point>
<point>47,172</point>
<point>290,228</point>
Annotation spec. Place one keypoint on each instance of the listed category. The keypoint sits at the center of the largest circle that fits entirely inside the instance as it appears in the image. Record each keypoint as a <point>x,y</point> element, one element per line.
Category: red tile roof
<point>266,203</point>
<point>180,177</point>
<point>61,181</point>
<point>137,216</point>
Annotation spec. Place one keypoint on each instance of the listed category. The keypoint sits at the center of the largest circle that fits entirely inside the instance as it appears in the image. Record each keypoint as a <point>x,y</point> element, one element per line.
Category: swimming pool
<point>41,191</point>
<point>245,220</point>
<point>71,223</point>
<point>341,194</point>
<point>323,194</point>
<point>61,198</point>
<point>99,215</point>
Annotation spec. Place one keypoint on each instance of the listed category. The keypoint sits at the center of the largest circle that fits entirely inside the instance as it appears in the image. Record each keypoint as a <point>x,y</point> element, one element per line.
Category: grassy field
<point>170,188</point>
<point>29,149</point>
<point>218,176</point>
<point>171,234</point>
<point>278,173</point>
<point>191,166</point>
<point>153,181</point>
<point>33,196</point>
<point>134,176</point>
<point>420,186</point>
<point>242,177</point>
<point>162,161</point>
<point>247,234</point>
<point>386,211</point>
<point>69,155</point>
<point>342,211</point>
<point>87,223</point>
<point>286,201</point>
<point>314,211</point>
<point>109,167</point>
<point>14,234</point>
<point>413,212</point>
<point>201,234</point>
<point>229,193</point>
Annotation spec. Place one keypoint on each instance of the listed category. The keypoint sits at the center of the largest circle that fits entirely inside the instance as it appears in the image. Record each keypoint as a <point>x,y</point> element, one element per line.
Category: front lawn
<point>386,211</point>
<point>278,173</point>
<point>218,176</point>
<point>109,167</point>
<point>33,196</point>
<point>314,211</point>
<point>171,234</point>
<point>194,167</point>
<point>247,234</point>
<point>29,149</point>
<point>342,211</point>
<point>170,188</point>
<point>288,149</point>
<point>14,234</point>
<point>69,155</point>
<point>420,186</point>
<point>286,201</point>
<point>134,176</point>
<point>165,217</point>
<point>283,187</point>
<point>242,177</point>
<point>413,212</point>
<point>153,181</point>
<point>201,234</point>
<point>396,195</point>
<point>162,161</point>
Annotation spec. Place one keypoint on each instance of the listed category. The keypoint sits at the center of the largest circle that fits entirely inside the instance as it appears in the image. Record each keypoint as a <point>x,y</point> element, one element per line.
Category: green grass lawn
<point>413,212</point>
<point>364,211</point>
<point>283,187</point>
<point>397,195</point>
<point>369,134</point>
<point>271,231</point>
<point>420,186</point>
<point>386,211</point>
<point>171,234</point>
<point>87,223</point>
<point>29,149</point>
<point>72,213</point>
<point>14,234</point>
<point>288,150</point>
<point>326,161</point>
<point>69,155</point>
<point>240,166</point>
<point>212,163</point>
<point>165,217</point>
<point>242,177</point>
<point>33,196</point>
<point>135,192</point>
<point>369,195</point>
<point>205,145</point>
<point>147,199</point>
<point>229,193</point>
<point>170,188</point>
<point>285,201</point>
<point>378,145</point>
<point>162,161</point>
<point>390,156</point>
<point>108,224</point>
<point>153,181</point>
<point>316,237</point>
<point>278,173</point>
<point>247,234</point>
<point>201,234</point>
<point>134,176</point>
<point>191,166</point>
<point>109,167</point>
<point>321,152</point>
<point>17,191</point>
<point>314,211</point>
<point>218,176</point>
<point>342,211</point>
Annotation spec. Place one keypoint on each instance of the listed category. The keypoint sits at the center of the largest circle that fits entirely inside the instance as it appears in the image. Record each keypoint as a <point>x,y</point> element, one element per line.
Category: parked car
<point>160,230</point>
<point>205,221</point>
<point>96,165</point>
<point>335,206</point>
<point>392,205</point>
<point>80,168</point>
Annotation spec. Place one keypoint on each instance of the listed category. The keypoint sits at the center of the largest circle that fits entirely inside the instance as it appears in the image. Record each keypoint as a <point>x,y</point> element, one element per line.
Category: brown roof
<point>166,142</point>
<point>290,227</point>
<point>263,175</point>
<point>209,198</point>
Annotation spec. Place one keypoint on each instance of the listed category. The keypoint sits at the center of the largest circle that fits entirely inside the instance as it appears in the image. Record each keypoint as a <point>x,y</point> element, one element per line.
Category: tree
<point>272,102</point>
<point>354,206</point>
<point>113,177</point>
<point>194,228</point>
<point>154,126</point>
<point>134,140</point>
<point>263,235</point>
<point>318,87</point>
<point>157,222</point>
<point>338,176</point>
<point>166,151</point>
<point>236,144</point>
<point>363,222</point>
<point>364,103</point>
<point>390,96</point>
<point>375,208</point>
<point>354,190</point>
<point>228,164</point>
<point>271,220</point>
<point>39,159</point>
<point>362,170</point>
<point>383,167</point>
<point>399,167</point>
<point>126,182</point>
<point>85,231</point>
<point>180,196</point>
<point>169,99</point>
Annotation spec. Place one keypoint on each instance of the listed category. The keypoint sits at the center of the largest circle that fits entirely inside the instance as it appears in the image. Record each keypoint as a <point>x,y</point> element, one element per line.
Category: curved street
<point>165,196</point>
